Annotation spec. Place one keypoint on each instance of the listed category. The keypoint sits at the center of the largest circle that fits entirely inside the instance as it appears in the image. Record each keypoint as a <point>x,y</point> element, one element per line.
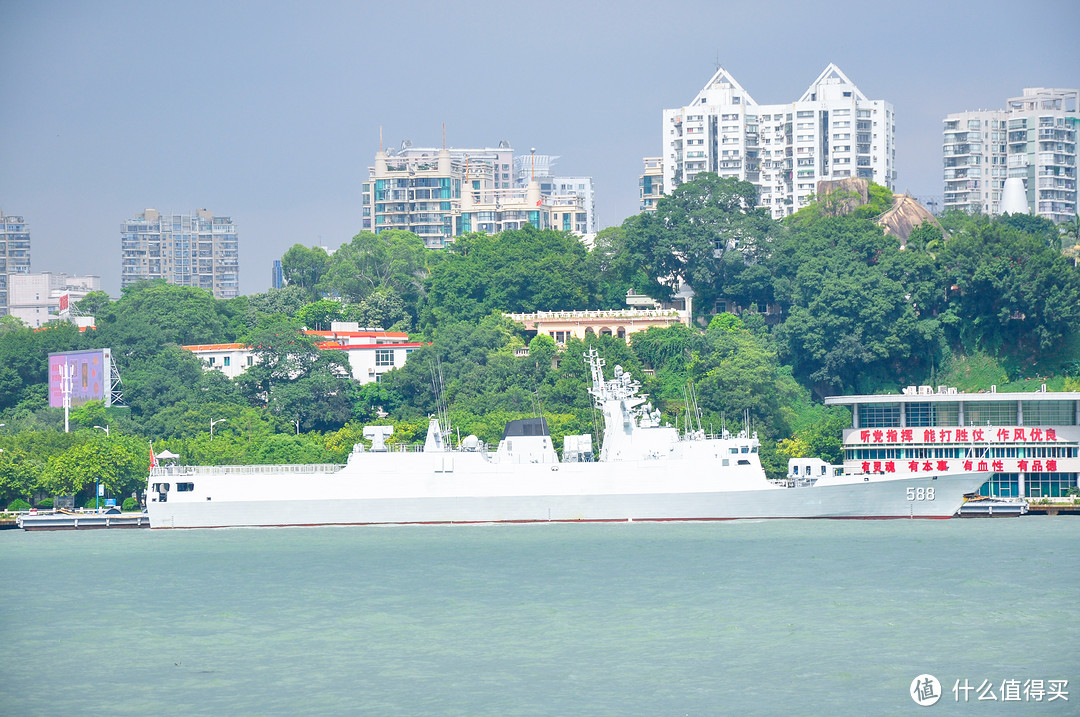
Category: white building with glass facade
<point>541,169</point>
<point>833,131</point>
<point>196,249</point>
<point>1026,442</point>
<point>439,194</point>
<point>1033,139</point>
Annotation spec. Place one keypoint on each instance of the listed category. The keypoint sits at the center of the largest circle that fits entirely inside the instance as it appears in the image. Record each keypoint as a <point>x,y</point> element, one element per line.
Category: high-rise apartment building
<point>1033,139</point>
<point>277,277</point>
<point>439,194</point>
<point>651,184</point>
<point>14,253</point>
<point>197,249</point>
<point>832,131</point>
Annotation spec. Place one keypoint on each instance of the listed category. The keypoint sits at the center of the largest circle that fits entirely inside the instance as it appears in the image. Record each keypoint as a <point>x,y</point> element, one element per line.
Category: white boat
<point>645,471</point>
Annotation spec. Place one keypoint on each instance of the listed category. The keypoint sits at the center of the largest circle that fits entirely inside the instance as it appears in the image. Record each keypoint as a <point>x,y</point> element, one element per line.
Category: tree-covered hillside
<point>820,304</point>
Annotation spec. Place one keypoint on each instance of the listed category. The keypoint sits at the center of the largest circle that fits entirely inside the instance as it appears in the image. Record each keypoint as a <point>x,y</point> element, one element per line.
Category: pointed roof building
<point>833,131</point>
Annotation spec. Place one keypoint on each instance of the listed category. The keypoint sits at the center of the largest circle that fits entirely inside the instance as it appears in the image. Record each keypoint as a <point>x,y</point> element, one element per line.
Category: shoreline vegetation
<point>821,303</point>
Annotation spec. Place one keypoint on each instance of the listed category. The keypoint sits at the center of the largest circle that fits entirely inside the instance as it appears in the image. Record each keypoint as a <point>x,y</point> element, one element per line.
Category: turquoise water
<point>738,617</point>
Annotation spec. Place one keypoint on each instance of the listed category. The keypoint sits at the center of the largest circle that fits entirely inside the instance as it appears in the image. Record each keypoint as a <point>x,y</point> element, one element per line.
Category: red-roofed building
<point>371,352</point>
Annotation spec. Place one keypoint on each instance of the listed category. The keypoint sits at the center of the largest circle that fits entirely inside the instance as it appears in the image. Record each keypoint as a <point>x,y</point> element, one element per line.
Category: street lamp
<point>213,423</point>
<point>97,481</point>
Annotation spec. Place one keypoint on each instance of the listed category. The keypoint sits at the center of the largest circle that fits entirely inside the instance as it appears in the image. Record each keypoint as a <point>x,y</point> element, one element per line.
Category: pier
<point>1035,507</point>
<point>72,520</point>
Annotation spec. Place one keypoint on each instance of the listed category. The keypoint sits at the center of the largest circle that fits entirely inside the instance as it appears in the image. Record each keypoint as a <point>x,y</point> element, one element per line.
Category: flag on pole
<point>153,460</point>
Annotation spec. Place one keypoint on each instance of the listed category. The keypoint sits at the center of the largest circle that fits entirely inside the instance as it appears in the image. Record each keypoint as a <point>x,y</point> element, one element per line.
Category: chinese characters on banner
<point>972,437</point>
<point>956,435</point>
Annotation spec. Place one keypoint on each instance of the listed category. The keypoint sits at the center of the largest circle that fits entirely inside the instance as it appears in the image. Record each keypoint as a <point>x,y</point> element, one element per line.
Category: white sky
<point>270,112</point>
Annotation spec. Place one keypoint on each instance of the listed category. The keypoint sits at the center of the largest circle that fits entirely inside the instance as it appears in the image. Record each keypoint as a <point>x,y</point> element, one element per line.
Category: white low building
<point>39,298</point>
<point>371,352</point>
<point>1028,443</point>
<point>231,359</point>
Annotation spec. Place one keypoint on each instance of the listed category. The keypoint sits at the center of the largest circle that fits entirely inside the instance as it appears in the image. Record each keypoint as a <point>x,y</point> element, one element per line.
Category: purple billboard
<point>90,371</point>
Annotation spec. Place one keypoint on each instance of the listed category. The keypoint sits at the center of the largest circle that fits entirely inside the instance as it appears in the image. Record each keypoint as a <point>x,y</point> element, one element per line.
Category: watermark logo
<point>925,690</point>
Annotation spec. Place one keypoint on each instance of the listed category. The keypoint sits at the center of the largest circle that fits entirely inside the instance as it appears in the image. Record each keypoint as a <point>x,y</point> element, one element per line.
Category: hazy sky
<point>270,112</point>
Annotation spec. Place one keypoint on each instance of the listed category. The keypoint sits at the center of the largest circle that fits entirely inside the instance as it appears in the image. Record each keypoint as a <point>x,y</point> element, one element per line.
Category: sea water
<point>735,617</point>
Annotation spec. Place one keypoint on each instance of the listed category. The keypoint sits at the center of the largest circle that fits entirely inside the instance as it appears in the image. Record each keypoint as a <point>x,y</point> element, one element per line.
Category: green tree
<point>1010,290</point>
<point>522,270</point>
<point>692,228</point>
<point>857,330</point>
<point>168,375</point>
<point>617,268</point>
<point>94,303</point>
<point>320,314</point>
<point>120,463</point>
<point>304,268</point>
<point>294,379</point>
<point>152,314</point>
<point>391,259</point>
<point>286,301</point>
<point>19,474</point>
<point>384,309</point>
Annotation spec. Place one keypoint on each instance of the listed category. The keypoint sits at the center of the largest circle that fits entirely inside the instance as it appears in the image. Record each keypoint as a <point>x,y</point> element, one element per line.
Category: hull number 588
<point>920,493</point>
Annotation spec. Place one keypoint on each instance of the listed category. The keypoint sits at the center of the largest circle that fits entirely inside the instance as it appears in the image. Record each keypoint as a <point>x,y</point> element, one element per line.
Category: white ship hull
<point>645,471</point>
<point>531,493</point>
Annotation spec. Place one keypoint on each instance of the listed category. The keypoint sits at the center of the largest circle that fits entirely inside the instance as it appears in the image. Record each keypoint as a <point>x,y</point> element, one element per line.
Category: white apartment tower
<point>197,249</point>
<point>1033,139</point>
<point>833,131</point>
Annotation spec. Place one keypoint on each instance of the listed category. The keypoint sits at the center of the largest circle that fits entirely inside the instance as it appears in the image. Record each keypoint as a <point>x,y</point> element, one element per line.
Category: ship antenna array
<point>596,368</point>
<point>692,407</point>
<point>442,412</point>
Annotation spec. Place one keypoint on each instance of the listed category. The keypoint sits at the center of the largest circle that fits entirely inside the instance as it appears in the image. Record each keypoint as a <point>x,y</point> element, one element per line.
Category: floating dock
<point>1037,508</point>
<point>71,520</point>
<point>993,508</point>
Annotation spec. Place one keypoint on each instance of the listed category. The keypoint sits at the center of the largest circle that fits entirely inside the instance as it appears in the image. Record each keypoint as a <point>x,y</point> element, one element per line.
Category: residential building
<point>1027,443</point>
<point>371,352</point>
<point>651,184</point>
<point>621,323</point>
<point>277,278</point>
<point>197,249</point>
<point>973,150</point>
<point>833,131</point>
<point>14,253</point>
<point>1032,139</point>
<point>541,168</point>
<point>440,194</point>
<point>39,298</point>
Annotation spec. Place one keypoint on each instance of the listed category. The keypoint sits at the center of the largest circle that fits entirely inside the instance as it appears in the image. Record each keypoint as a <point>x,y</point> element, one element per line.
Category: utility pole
<point>65,389</point>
